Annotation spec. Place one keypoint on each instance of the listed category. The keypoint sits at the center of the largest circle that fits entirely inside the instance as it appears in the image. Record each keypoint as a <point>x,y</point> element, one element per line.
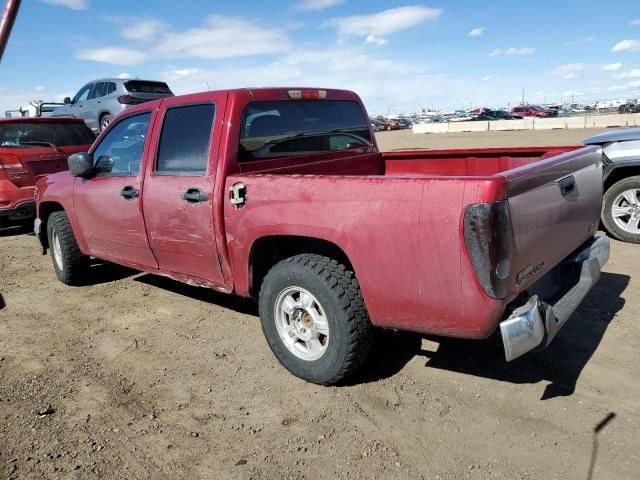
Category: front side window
<point>184,141</point>
<point>120,151</point>
<point>83,94</point>
<point>293,128</point>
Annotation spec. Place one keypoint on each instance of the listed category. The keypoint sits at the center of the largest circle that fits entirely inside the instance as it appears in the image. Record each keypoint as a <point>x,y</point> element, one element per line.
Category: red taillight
<point>126,100</point>
<point>10,167</point>
<point>307,94</point>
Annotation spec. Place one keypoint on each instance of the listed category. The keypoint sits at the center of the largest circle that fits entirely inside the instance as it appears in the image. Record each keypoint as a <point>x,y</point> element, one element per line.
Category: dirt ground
<point>137,377</point>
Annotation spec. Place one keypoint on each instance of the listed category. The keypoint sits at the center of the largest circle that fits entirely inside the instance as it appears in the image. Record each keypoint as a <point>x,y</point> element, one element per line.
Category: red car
<point>30,148</point>
<point>533,111</point>
<point>282,195</point>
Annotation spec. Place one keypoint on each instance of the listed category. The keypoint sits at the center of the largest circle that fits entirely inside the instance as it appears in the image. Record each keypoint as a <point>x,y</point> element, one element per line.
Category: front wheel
<point>314,318</point>
<point>621,210</point>
<point>70,264</point>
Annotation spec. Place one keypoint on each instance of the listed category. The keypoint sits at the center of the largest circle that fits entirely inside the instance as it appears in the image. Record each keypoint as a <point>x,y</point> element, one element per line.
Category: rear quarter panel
<point>402,235</point>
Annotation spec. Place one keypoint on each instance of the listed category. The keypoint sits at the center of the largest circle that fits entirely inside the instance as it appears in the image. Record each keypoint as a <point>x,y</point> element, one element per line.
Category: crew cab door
<point>178,199</point>
<point>108,205</point>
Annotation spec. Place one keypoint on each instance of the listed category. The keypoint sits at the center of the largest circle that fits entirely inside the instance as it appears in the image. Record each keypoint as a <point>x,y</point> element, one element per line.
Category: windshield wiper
<point>37,142</point>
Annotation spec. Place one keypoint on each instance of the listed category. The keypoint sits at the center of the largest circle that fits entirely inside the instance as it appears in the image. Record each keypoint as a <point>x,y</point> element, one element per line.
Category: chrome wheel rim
<point>626,211</point>
<point>57,250</point>
<point>105,123</point>
<point>302,323</point>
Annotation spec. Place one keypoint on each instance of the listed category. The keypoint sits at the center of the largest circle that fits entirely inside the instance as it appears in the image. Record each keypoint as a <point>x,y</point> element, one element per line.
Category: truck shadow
<point>560,364</point>
<point>16,230</point>
<point>237,304</point>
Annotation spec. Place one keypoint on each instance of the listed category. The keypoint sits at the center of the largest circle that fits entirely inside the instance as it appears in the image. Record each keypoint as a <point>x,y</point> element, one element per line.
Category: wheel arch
<point>266,251</point>
<point>629,169</point>
<point>45,209</point>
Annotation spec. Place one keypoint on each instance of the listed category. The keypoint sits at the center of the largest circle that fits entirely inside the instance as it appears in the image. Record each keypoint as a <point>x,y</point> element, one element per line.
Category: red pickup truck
<point>282,195</point>
<point>29,149</point>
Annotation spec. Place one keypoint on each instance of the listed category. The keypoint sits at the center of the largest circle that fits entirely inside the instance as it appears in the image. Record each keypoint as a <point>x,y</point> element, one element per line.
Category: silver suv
<point>101,100</point>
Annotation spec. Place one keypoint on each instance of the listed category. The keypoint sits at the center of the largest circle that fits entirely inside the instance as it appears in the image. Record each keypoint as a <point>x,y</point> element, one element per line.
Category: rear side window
<point>301,127</point>
<point>111,88</point>
<point>184,141</point>
<point>140,86</point>
<point>28,135</point>
<point>99,90</point>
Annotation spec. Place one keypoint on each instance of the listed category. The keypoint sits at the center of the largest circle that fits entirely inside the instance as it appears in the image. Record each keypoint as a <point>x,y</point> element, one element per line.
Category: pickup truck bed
<point>283,196</point>
<point>419,197</point>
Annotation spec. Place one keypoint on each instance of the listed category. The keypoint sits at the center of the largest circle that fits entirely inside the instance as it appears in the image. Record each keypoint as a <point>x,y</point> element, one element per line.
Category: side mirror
<point>67,100</point>
<point>81,164</point>
<point>104,164</point>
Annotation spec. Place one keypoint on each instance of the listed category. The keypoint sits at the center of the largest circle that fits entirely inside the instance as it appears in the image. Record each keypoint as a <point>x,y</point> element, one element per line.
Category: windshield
<point>302,127</point>
<point>23,135</point>
<point>537,109</point>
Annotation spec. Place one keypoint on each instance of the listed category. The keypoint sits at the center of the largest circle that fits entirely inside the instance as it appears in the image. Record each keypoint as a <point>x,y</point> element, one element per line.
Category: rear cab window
<point>302,127</point>
<point>33,134</point>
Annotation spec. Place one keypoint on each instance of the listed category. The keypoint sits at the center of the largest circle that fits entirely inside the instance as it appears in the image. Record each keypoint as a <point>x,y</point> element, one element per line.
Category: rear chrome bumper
<point>20,211</point>
<point>534,325</point>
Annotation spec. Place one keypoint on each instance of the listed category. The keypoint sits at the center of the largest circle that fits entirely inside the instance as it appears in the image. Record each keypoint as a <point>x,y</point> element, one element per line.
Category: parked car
<point>98,102</point>
<point>391,124</point>
<point>629,108</point>
<point>621,202</point>
<point>377,125</point>
<point>286,198</point>
<point>533,111</point>
<point>29,149</point>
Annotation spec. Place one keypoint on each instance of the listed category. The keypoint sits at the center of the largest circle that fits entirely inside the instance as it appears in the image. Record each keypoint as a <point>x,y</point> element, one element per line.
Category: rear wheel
<point>621,210</point>
<point>105,120</point>
<point>314,318</point>
<point>69,263</point>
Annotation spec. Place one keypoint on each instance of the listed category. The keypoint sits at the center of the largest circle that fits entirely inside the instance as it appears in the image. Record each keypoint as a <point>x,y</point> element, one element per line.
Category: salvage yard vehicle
<point>621,202</point>
<point>283,196</point>
<point>29,149</point>
<point>101,100</point>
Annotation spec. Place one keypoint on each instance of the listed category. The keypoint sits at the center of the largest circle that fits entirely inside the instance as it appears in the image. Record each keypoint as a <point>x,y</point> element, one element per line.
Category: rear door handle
<point>567,185</point>
<point>129,192</point>
<point>194,195</point>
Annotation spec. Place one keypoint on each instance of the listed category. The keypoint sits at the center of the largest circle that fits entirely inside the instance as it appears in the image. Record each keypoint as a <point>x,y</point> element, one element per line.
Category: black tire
<point>105,120</point>
<point>74,264</point>
<point>337,290</point>
<point>607,209</point>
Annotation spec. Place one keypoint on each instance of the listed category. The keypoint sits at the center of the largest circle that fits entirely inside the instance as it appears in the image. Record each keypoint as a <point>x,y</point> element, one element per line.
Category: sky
<point>400,56</point>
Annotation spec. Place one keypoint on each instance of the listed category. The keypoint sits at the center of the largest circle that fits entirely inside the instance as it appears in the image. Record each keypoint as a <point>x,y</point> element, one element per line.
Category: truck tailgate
<point>555,207</point>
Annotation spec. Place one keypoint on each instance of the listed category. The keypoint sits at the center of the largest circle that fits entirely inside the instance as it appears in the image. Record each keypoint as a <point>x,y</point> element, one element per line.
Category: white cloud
<point>123,75</point>
<point>39,88</point>
<point>476,32</point>
<point>634,73</point>
<point>520,51</point>
<point>612,67</point>
<point>144,30</point>
<point>569,70</point>
<point>635,84</point>
<point>113,55</point>
<point>382,23</point>
<point>635,23</point>
<point>219,38</point>
<point>627,46</point>
<point>513,51</point>
<point>373,40</point>
<point>72,4</point>
<point>307,5</point>
<point>580,41</point>
<point>486,78</point>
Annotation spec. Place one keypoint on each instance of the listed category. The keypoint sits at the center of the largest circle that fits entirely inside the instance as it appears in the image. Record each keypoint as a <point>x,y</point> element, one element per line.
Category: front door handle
<point>129,192</point>
<point>194,195</point>
<point>567,185</point>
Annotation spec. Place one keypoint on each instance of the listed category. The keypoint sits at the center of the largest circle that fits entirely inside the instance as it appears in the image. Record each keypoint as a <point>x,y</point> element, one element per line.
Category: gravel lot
<point>140,377</point>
